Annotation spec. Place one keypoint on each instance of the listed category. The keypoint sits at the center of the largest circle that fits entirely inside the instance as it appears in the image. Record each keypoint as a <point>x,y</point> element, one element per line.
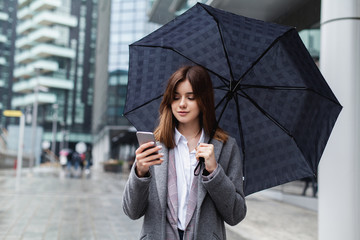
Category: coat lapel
<point>192,201</point>
<point>161,174</point>
<point>172,196</point>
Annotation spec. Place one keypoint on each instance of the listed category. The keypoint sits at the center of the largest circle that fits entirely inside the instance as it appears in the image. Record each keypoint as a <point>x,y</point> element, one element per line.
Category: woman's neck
<point>189,131</point>
<point>192,134</point>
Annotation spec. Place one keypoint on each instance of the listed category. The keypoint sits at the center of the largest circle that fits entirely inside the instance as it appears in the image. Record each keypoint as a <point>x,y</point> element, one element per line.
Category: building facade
<point>54,67</point>
<point>7,49</point>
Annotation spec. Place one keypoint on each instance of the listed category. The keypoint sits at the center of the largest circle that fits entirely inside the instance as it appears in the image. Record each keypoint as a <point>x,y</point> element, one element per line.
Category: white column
<point>20,147</point>
<point>339,169</point>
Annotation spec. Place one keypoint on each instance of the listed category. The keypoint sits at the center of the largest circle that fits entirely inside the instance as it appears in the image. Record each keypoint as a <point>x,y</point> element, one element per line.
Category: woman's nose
<point>183,102</point>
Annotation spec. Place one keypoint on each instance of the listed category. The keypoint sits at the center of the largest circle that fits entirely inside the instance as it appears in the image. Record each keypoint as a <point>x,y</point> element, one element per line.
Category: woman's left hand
<point>207,152</point>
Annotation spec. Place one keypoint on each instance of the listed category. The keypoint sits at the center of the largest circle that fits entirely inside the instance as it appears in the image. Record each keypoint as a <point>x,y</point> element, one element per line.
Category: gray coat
<point>219,199</point>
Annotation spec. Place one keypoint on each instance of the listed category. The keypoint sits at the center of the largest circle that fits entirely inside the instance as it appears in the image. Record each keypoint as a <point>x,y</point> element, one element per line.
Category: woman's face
<point>184,105</point>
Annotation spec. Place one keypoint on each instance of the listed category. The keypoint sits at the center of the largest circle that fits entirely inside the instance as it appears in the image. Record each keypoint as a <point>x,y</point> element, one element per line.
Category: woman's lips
<point>182,113</point>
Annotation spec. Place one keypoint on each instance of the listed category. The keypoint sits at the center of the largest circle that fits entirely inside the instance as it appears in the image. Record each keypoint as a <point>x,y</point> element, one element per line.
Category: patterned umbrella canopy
<point>269,93</point>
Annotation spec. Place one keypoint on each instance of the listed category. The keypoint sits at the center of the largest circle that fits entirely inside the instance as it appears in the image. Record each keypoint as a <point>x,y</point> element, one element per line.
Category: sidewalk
<point>269,219</point>
<point>47,205</point>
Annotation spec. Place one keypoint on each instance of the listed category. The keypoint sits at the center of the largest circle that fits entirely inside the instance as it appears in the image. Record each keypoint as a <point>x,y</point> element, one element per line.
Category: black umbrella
<point>269,93</point>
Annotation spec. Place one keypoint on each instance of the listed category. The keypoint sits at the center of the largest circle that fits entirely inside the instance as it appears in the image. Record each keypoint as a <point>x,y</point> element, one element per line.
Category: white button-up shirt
<point>185,163</point>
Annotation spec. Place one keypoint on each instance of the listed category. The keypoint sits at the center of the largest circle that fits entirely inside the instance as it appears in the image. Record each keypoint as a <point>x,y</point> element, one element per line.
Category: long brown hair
<point>202,87</point>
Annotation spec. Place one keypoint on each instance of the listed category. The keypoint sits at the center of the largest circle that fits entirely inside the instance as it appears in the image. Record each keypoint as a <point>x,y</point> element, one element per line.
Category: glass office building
<point>121,22</point>
<point>129,23</point>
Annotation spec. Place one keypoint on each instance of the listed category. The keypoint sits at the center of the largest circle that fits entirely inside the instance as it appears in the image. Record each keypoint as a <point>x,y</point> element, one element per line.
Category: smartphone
<point>145,137</point>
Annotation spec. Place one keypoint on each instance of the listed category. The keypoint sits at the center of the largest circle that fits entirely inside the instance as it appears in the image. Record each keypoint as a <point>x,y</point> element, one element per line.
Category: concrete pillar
<point>339,169</point>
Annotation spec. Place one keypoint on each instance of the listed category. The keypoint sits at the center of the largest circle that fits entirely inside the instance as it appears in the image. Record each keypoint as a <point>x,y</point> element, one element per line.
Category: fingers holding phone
<point>147,154</point>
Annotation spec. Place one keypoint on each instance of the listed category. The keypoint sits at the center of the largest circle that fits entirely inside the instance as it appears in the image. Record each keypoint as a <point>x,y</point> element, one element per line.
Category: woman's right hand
<point>147,155</point>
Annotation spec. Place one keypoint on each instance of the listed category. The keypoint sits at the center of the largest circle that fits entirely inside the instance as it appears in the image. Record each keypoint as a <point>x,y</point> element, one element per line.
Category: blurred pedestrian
<point>76,160</point>
<point>73,164</point>
<point>162,187</point>
<point>88,161</point>
<point>65,157</point>
<point>44,156</point>
<point>314,185</point>
<point>82,161</point>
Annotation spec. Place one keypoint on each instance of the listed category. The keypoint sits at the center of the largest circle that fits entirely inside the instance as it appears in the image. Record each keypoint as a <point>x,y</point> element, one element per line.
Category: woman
<point>162,187</point>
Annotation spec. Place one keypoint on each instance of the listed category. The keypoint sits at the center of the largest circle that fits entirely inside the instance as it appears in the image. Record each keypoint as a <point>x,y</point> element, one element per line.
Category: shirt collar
<point>178,136</point>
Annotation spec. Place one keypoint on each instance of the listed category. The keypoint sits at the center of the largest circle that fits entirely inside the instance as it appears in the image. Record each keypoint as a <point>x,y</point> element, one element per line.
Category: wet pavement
<point>46,204</point>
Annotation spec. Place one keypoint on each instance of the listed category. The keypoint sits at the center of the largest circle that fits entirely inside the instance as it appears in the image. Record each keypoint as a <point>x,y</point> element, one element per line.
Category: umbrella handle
<point>201,159</point>
<point>198,166</point>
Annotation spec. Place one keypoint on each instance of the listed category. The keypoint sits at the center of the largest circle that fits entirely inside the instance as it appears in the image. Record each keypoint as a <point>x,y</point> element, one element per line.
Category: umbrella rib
<point>218,105</point>
<point>223,88</point>
<point>272,119</point>
<point>170,48</point>
<point>261,56</point>
<point>245,86</point>
<point>153,99</point>
<point>223,45</point>
<point>241,132</point>
<point>267,114</point>
<point>201,160</point>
